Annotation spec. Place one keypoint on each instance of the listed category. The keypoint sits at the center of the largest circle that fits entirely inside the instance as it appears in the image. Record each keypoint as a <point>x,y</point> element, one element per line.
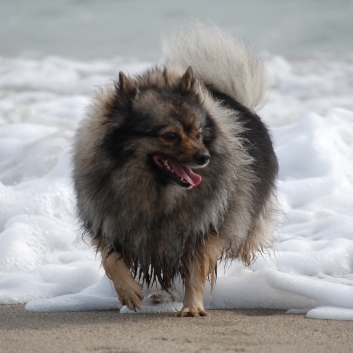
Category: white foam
<point>44,261</point>
<point>330,313</point>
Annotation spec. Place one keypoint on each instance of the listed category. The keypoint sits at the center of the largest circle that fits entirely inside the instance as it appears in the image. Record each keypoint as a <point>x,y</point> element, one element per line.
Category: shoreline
<point>255,330</point>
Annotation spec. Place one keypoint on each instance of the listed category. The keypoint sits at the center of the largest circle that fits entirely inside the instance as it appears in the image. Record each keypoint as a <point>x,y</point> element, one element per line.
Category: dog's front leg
<point>129,291</point>
<point>195,282</point>
<point>200,265</point>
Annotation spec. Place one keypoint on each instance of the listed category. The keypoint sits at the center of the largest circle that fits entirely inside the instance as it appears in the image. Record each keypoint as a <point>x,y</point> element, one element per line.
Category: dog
<point>173,169</point>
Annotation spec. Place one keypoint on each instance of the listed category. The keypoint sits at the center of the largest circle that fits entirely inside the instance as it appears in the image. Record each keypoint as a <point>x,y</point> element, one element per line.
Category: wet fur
<point>157,228</point>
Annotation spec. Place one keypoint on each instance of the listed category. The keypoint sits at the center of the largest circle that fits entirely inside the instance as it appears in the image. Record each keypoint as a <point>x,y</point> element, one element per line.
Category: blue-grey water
<point>89,29</point>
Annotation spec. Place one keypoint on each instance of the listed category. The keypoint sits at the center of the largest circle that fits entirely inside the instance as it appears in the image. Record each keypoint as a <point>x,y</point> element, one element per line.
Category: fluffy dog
<point>174,170</point>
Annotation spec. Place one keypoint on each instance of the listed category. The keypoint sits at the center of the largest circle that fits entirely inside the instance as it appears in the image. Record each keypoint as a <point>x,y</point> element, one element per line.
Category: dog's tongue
<point>186,173</point>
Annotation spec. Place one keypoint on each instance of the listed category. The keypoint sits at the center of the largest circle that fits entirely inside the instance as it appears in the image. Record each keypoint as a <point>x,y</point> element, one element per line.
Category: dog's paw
<point>162,297</point>
<point>130,295</point>
<point>192,312</point>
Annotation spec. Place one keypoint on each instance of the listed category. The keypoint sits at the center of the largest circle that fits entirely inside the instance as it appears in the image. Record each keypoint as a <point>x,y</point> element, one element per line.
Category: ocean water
<point>53,55</point>
<point>91,29</point>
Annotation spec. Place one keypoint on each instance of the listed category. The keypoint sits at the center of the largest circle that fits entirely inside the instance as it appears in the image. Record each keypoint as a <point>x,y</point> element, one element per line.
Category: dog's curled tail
<point>219,59</point>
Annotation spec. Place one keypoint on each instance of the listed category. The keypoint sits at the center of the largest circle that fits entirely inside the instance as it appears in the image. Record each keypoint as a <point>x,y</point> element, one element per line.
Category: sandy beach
<point>221,331</point>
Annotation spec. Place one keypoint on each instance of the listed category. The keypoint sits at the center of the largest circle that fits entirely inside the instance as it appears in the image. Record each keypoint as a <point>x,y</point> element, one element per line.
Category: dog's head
<point>159,124</point>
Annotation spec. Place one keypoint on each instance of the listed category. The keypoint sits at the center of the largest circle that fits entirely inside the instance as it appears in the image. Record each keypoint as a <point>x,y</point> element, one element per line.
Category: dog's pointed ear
<point>127,86</point>
<point>187,81</point>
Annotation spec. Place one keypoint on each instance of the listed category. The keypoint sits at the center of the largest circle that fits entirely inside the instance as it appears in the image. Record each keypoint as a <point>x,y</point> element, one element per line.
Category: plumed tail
<point>219,59</point>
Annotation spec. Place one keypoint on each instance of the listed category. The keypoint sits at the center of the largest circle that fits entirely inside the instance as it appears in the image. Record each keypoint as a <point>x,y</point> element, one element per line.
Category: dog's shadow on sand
<point>260,312</point>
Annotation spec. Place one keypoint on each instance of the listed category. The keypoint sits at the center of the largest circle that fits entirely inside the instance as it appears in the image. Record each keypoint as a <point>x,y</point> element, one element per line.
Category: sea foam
<point>44,261</point>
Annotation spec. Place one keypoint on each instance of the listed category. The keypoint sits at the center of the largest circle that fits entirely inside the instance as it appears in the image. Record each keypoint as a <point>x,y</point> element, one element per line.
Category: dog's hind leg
<point>201,264</point>
<point>117,269</point>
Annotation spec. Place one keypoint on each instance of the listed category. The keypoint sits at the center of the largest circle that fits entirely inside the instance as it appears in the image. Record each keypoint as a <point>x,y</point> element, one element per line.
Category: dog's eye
<point>199,136</point>
<point>171,136</point>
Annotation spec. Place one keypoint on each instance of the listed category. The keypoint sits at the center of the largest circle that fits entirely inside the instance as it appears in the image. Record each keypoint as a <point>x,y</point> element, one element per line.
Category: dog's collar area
<point>181,174</point>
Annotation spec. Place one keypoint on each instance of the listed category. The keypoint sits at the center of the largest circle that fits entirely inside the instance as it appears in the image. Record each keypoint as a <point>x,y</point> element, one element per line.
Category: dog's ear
<point>187,81</point>
<point>127,87</point>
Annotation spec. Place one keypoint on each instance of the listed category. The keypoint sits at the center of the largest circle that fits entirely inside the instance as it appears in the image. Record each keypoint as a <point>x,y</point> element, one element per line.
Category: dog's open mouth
<point>181,174</point>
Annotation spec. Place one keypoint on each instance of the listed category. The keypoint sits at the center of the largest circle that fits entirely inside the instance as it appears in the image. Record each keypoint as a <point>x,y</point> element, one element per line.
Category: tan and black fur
<point>194,112</point>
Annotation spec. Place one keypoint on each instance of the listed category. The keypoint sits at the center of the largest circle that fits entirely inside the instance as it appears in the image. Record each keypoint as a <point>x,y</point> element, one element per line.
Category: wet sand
<point>221,331</point>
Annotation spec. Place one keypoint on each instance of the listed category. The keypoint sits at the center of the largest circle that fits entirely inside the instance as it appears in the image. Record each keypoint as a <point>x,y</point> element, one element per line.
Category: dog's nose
<point>202,158</point>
